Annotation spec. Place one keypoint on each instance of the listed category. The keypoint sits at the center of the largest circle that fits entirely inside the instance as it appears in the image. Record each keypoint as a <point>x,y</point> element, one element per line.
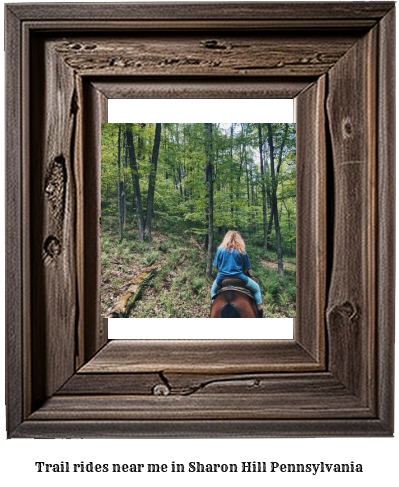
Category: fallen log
<point>133,291</point>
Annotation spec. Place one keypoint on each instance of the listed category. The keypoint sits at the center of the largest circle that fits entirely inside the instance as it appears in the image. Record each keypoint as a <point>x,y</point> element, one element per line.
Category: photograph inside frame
<point>198,220</point>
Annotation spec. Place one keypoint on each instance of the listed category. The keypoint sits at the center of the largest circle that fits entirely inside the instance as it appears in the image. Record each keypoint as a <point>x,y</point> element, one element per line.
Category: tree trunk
<point>209,182</point>
<point>124,201</point>
<point>152,180</point>
<point>274,203</point>
<point>231,174</point>
<point>283,142</point>
<point>135,181</point>
<point>271,219</point>
<point>120,189</point>
<point>263,186</point>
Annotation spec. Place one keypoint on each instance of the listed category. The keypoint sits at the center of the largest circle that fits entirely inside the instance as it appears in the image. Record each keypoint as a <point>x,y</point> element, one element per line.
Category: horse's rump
<point>230,311</point>
<point>234,303</point>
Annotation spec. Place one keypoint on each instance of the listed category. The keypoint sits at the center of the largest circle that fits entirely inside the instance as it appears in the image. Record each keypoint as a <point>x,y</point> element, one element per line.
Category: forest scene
<point>169,194</point>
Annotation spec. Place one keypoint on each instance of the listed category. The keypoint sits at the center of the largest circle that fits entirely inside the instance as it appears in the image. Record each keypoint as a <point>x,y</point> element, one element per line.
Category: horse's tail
<point>230,311</point>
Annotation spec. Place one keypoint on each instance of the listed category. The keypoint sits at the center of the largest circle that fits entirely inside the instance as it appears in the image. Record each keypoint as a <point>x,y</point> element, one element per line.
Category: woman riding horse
<point>232,262</point>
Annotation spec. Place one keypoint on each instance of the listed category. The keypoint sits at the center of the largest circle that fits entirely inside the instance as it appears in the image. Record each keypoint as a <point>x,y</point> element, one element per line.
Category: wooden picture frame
<point>64,379</point>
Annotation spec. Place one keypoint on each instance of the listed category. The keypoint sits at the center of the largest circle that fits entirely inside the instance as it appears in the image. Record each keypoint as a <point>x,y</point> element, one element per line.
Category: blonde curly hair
<point>233,240</point>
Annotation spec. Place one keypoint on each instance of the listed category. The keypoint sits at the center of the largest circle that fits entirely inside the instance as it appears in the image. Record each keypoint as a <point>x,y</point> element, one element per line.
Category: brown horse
<point>233,301</point>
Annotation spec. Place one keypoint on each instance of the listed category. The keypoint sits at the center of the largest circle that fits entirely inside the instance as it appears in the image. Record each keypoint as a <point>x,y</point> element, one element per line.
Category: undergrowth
<point>180,288</point>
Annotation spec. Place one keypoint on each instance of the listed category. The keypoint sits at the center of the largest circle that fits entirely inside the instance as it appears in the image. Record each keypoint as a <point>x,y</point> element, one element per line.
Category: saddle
<point>234,285</point>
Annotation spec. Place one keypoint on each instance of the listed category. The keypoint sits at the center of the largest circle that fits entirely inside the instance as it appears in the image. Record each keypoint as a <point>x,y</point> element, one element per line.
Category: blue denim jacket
<point>231,264</point>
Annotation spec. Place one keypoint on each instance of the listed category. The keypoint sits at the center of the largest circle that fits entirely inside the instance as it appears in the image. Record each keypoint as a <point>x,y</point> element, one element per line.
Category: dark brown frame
<point>336,377</point>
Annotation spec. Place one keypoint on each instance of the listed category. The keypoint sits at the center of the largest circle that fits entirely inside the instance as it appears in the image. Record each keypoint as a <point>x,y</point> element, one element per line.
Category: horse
<point>233,301</point>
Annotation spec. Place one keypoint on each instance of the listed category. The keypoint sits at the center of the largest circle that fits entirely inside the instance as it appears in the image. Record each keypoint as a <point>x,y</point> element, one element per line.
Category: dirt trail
<point>273,265</point>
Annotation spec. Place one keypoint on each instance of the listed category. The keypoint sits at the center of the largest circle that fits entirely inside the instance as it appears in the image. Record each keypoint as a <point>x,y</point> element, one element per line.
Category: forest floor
<point>179,288</point>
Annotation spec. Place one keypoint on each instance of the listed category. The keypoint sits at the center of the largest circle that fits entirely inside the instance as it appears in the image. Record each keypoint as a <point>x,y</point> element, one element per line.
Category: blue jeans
<point>251,285</point>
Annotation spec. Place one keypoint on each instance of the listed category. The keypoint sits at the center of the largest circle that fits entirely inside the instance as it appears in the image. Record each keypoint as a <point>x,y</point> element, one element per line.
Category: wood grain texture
<point>171,88</point>
<point>385,271</point>
<point>311,249</point>
<point>200,356</point>
<point>184,383</point>
<point>53,210</point>
<point>203,407</point>
<point>206,11</point>
<point>351,307</point>
<point>200,389</point>
<point>239,55</point>
<point>113,384</point>
<point>255,396</point>
<point>298,24</point>
<point>14,239</point>
<point>191,428</point>
<point>95,328</point>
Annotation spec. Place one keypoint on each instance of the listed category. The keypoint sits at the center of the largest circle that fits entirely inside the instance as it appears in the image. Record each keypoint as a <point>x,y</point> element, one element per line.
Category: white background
<point>379,456</point>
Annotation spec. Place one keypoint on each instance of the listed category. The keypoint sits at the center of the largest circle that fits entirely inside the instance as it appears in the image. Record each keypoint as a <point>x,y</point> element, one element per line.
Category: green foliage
<point>173,259</point>
<point>180,288</point>
<point>150,257</point>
